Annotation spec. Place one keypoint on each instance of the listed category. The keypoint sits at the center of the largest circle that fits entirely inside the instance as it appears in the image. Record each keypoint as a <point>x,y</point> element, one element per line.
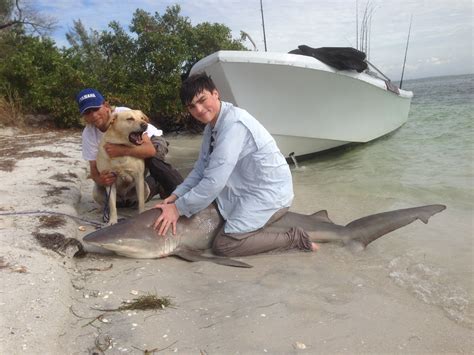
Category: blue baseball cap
<point>89,98</point>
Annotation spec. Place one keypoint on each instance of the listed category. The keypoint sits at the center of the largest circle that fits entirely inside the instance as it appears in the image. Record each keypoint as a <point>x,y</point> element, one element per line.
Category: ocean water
<point>430,157</point>
<point>428,160</point>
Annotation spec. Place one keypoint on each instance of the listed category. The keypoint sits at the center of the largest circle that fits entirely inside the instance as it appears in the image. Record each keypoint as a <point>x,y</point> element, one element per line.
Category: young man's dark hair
<point>195,84</point>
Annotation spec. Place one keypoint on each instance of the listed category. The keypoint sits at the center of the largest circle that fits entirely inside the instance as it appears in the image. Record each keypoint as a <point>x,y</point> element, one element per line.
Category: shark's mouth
<point>136,137</point>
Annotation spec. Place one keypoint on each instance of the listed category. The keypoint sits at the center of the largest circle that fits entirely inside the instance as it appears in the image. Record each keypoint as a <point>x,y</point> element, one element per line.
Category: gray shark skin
<point>136,237</point>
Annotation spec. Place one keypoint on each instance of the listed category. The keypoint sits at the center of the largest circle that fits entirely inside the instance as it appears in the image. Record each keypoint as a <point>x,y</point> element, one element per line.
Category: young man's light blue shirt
<point>246,173</point>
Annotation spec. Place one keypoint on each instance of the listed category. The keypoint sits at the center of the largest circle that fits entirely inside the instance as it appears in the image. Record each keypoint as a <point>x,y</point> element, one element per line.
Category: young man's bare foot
<point>314,246</point>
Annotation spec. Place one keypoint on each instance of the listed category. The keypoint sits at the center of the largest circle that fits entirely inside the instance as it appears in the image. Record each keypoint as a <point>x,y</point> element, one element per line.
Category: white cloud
<point>438,61</point>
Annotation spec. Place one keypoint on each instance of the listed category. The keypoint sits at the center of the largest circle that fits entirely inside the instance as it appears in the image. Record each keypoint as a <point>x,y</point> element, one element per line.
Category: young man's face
<point>99,117</point>
<point>205,107</point>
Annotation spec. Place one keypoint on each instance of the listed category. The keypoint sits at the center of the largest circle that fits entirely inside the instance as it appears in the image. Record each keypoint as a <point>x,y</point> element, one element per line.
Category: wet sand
<point>325,302</point>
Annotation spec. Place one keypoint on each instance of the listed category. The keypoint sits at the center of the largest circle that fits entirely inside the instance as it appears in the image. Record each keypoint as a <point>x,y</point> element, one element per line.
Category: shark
<point>136,237</point>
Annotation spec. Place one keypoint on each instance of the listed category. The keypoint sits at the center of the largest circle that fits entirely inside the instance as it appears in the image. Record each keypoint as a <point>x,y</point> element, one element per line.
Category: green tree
<point>142,68</point>
<point>162,49</point>
<point>41,76</point>
<point>84,51</point>
<point>168,46</point>
<point>207,38</point>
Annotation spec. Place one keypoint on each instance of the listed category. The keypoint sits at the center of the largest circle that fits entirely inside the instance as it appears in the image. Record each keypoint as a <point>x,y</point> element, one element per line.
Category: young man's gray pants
<point>263,240</point>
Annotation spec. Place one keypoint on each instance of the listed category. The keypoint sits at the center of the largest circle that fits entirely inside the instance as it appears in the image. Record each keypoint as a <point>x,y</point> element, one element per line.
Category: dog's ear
<point>144,117</point>
<point>113,117</point>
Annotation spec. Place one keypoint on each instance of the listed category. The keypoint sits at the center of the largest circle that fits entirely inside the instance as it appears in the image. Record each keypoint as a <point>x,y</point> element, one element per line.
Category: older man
<point>96,111</point>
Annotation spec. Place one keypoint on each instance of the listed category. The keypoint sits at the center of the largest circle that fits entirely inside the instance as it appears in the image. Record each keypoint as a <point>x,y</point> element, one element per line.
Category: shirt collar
<point>224,107</point>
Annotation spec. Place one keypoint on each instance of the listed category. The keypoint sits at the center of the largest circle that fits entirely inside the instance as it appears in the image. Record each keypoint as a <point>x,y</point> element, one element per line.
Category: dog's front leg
<point>113,218</point>
<point>140,188</point>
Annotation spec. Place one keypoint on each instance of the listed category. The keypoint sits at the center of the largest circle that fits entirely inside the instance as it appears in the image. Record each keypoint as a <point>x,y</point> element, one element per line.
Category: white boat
<point>305,104</point>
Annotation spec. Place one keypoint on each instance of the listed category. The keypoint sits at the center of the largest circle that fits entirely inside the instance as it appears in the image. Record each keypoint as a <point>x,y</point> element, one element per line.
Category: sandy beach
<point>52,302</point>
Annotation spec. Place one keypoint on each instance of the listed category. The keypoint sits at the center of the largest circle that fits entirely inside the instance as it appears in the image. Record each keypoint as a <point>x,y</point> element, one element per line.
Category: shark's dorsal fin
<point>196,255</point>
<point>322,216</point>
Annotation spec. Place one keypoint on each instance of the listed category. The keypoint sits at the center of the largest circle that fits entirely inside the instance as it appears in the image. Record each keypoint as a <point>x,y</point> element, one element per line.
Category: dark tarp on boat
<point>341,58</point>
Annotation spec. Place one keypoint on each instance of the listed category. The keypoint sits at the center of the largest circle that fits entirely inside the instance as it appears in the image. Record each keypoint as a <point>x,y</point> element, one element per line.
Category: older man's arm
<point>142,151</point>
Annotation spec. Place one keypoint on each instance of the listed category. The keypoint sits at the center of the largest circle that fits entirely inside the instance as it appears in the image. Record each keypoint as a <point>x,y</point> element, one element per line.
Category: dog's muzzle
<point>136,137</point>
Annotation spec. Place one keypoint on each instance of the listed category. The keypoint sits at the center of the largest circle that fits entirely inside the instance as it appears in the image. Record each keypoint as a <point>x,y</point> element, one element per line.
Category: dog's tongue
<point>139,139</point>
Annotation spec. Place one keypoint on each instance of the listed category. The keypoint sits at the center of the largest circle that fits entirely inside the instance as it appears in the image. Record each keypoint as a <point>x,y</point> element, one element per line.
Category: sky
<point>441,39</point>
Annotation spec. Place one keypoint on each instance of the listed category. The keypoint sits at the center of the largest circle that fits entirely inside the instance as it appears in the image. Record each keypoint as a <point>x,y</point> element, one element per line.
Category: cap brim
<point>88,107</point>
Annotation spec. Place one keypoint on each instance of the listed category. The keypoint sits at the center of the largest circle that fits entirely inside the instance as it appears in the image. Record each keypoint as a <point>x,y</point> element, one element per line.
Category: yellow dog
<point>126,128</point>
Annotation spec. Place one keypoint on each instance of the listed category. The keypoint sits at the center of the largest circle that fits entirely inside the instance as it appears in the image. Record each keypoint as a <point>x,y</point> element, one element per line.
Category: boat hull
<point>306,105</point>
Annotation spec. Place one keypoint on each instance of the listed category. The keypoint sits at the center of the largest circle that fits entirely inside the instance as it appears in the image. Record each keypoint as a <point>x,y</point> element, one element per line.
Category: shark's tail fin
<point>430,211</point>
<point>365,230</point>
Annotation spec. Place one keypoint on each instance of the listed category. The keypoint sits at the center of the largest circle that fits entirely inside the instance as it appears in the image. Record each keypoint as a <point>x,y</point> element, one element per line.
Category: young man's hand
<point>170,199</point>
<point>169,217</point>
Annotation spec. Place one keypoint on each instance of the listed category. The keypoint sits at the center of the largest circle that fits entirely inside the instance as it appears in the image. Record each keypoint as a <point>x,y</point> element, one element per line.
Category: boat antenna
<point>406,50</point>
<point>365,28</point>
<point>357,24</point>
<point>263,25</point>
<point>369,35</point>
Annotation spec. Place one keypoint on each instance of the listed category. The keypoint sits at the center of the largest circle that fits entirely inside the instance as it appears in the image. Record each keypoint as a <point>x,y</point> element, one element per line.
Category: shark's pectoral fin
<point>196,255</point>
